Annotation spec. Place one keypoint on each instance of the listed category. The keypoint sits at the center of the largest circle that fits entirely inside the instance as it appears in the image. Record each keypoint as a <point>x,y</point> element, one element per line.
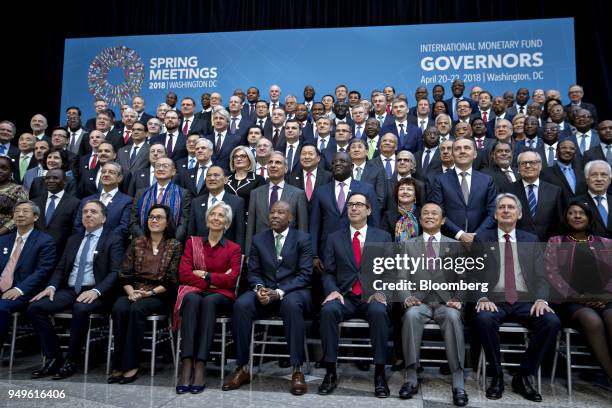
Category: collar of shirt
<point>488,111</point>
<point>384,158</point>
<point>313,173</point>
<point>139,145</point>
<point>207,165</point>
<point>404,122</point>
<point>97,233</point>
<point>360,166</point>
<point>238,119</point>
<point>593,195</point>
<point>221,242</point>
<point>207,110</point>
<point>500,235</point>
<point>283,234</point>
<point>58,195</point>
<point>346,182</point>
<point>437,236</point>
<point>25,236</point>
<point>25,155</point>
<point>219,196</point>
<point>536,183</point>
<point>362,233</point>
<point>112,192</point>
<point>6,147</point>
<point>375,139</point>
<point>295,146</point>
<point>459,171</point>
<point>547,147</point>
<point>323,139</point>
<point>444,168</point>
<point>280,185</point>
<point>587,133</point>
<point>158,186</point>
<point>564,166</point>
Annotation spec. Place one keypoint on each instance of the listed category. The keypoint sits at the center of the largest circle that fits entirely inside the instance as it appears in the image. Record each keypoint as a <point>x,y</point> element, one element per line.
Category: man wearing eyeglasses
<point>541,200</point>
<point>343,293</point>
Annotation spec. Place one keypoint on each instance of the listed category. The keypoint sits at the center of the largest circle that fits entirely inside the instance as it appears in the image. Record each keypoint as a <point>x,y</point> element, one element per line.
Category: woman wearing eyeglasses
<point>148,278</point>
<point>243,179</point>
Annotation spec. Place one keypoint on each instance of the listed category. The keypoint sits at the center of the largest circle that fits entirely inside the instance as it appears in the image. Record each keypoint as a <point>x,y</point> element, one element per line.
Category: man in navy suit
<point>194,179</point>
<point>598,176</point>
<point>173,139</point>
<point>90,179</point>
<point>215,191</point>
<point>379,101</point>
<point>458,87</point>
<point>237,122</point>
<point>409,135</point>
<point>603,151</point>
<point>372,138</point>
<point>566,174</point>
<point>248,109</point>
<point>280,269</point>
<point>138,104</point>
<point>585,137</point>
<point>368,171</point>
<point>575,93</point>
<point>517,292</point>
<point>118,205</point>
<point>558,116</point>
<point>329,211</point>
<point>467,196</point>
<point>343,293</point>
<point>83,283</point>
<point>190,122</point>
<point>290,144</point>
<point>26,261</point>
<point>223,139</point>
<point>428,160</point>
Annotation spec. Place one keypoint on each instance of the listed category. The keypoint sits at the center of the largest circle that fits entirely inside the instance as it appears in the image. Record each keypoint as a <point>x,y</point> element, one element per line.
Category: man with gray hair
<point>223,138</point>
<point>598,176</point>
<point>138,104</point>
<point>7,133</point>
<point>194,179</point>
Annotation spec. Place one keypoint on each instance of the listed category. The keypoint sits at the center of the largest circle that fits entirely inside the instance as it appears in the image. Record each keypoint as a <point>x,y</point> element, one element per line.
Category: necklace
<point>579,240</point>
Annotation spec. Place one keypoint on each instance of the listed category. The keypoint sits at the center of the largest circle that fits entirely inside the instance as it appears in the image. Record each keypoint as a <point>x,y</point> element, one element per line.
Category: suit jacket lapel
<point>31,241</point>
<point>457,185</point>
<point>348,246</point>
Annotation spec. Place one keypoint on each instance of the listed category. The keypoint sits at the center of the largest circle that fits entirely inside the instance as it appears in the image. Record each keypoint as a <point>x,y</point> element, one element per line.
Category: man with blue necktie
<point>566,174</point>
<point>598,177</point>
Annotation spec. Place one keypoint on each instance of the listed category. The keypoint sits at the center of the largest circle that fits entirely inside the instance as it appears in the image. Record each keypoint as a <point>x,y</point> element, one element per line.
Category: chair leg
<point>153,347</point>
<point>171,335</point>
<point>306,355</point>
<point>223,339</point>
<point>110,345</point>
<point>87,347</point>
<point>252,350</point>
<point>13,339</point>
<point>177,356</point>
<point>539,380</point>
<point>568,361</point>
<point>555,358</point>
<point>263,348</point>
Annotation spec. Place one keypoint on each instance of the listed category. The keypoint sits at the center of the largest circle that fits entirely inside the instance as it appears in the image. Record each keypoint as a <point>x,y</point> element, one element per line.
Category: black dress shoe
<point>408,390</point>
<point>114,379</point>
<point>496,388</point>
<point>51,367</point>
<point>67,370</point>
<point>329,384</point>
<point>127,380</point>
<point>196,389</point>
<point>460,397</point>
<point>399,365</point>
<point>522,385</point>
<point>182,389</point>
<point>381,389</point>
<point>362,365</point>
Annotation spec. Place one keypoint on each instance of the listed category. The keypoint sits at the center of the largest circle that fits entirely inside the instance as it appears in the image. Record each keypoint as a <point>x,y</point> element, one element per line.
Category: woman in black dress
<point>243,178</point>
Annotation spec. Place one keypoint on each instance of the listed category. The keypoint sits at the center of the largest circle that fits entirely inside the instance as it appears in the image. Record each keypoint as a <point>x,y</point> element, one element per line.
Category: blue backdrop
<point>498,56</point>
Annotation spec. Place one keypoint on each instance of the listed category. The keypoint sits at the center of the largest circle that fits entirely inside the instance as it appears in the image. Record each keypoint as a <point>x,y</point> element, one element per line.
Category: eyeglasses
<point>111,172</point>
<point>403,160</point>
<point>357,205</point>
<point>240,156</point>
<point>157,217</point>
<point>163,165</point>
<point>532,163</point>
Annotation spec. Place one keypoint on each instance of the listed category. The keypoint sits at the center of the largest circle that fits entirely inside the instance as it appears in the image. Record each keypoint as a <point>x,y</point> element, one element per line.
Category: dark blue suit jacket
<point>117,217</point>
<point>292,271</point>
<point>230,141</point>
<point>341,271</point>
<point>412,141</point>
<point>325,217</point>
<point>35,263</point>
<point>477,215</point>
<point>180,147</point>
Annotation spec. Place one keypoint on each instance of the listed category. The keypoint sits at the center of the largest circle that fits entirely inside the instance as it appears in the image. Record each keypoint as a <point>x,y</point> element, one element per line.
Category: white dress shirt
<point>521,286</point>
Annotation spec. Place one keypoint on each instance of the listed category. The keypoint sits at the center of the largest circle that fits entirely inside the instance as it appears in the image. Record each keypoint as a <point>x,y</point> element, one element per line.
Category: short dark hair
<point>170,231</point>
<point>317,151</point>
<point>63,156</point>
<point>587,211</point>
<point>10,162</point>
<point>356,193</point>
<point>74,107</point>
<point>409,181</point>
<point>99,203</point>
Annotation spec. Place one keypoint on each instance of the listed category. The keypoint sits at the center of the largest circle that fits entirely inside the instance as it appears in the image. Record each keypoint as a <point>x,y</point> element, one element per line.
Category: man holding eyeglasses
<point>118,204</point>
<point>163,191</point>
<point>541,200</point>
<point>343,293</point>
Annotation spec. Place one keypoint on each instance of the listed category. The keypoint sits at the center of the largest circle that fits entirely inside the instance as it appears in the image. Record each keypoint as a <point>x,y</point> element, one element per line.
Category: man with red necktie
<point>343,290</point>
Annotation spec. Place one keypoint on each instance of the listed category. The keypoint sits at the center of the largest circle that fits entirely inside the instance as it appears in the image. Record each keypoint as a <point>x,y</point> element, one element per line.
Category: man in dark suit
<point>467,196</point>
<point>145,177</point>
<point>557,115</point>
<point>26,262</point>
<point>275,132</point>
<point>379,101</point>
<point>517,291</point>
<point>223,139</point>
<point>427,161</point>
<point>135,156</point>
<point>341,110</point>
<point>104,124</point>
<point>310,174</point>
<point>522,97</point>
<point>280,269</point>
<point>118,205</point>
<point>343,293</point>
<point>576,93</point>
<point>262,116</point>
<point>541,200</point>
<point>368,171</point>
<point>83,283</point>
<point>329,210</point>
<point>237,123</point>
<point>163,191</point>
<point>585,137</point>
<point>603,151</point>
<point>409,135</point>
<point>99,106</point>
<point>324,140</point>
<point>565,173</point>
<point>215,182</point>
<point>59,209</point>
<point>532,141</point>
<point>458,87</point>
<point>190,122</point>
<point>90,179</point>
<point>372,138</point>
<point>7,133</point>
<point>501,169</point>
<point>290,144</point>
<point>342,137</point>
<point>249,107</point>
<point>194,179</point>
<point>138,104</point>
<point>173,139</point>
<point>59,140</point>
<point>24,157</point>
<point>598,197</point>
<point>264,196</point>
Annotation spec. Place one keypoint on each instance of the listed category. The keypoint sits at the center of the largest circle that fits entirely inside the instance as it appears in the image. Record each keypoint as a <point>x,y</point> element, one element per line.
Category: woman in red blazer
<point>208,274</point>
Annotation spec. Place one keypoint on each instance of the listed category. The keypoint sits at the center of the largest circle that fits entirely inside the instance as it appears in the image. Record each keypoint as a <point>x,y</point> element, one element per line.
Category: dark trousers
<point>7,308</point>
<point>544,332</point>
<point>292,309</point>
<point>129,324</point>
<point>64,300</point>
<point>334,312</point>
<point>198,315</point>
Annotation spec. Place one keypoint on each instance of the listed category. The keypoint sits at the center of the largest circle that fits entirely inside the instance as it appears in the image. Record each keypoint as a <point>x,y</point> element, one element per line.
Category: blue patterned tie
<point>402,135</point>
<point>582,143</point>
<point>50,210</point>
<point>602,210</point>
<point>290,159</point>
<point>426,159</point>
<point>568,172</point>
<point>201,178</point>
<point>78,284</point>
<point>388,168</point>
<point>533,202</point>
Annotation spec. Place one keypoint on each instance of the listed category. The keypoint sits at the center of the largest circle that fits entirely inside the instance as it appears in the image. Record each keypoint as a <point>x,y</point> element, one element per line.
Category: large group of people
<point>267,206</point>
